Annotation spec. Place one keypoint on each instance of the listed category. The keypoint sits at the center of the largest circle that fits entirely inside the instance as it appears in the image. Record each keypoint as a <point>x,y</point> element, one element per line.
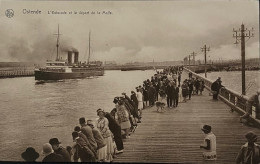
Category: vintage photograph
<point>130,81</point>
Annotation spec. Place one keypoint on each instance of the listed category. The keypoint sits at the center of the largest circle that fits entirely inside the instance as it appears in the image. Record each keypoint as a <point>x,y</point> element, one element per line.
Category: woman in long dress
<point>102,125</point>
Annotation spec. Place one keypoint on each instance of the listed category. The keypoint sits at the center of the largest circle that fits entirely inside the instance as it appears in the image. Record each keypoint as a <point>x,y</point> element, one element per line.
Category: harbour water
<point>33,113</point>
<point>233,80</point>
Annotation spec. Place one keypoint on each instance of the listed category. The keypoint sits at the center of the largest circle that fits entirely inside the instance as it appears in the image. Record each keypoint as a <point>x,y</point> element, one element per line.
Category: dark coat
<point>88,132</point>
<point>169,91</point>
<point>81,135</point>
<point>53,157</point>
<point>190,84</point>
<point>157,87</point>
<point>113,125</point>
<point>64,153</point>
<point>134,100</point>
<point>83,152</point>
<point>128,106</point>
<point>145,94</point>
<point>99,138</point>
<point>185,89</point>
<point>151,92</point>
<point>215,86</point>
<point>197,84</point>
<point>130,100</point>
<point>176,92</point>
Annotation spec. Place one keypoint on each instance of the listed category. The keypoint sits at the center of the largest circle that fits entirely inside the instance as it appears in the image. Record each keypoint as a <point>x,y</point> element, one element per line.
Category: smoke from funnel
<point>68,48</point>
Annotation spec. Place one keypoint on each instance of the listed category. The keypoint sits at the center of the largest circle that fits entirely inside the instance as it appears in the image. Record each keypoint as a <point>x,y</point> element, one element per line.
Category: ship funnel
<point>69,57</point>
<point>76,57</point>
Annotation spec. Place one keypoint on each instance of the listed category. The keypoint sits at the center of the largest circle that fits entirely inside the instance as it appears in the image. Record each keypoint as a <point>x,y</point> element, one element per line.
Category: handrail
<point>232,98</point>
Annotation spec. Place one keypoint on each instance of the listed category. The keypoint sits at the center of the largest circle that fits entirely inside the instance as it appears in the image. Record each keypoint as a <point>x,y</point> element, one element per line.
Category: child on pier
<point>209,145</point>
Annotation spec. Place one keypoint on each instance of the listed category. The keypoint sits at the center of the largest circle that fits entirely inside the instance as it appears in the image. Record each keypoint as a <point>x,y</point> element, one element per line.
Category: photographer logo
<point>9,13</point>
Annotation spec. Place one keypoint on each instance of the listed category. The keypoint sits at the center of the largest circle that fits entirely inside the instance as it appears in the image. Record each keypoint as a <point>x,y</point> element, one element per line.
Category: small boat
<point>66,69</point>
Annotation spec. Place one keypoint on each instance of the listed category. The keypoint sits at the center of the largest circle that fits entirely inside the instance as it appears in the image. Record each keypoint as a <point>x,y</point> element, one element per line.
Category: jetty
<point>16,73</point>
<point>174,136</point>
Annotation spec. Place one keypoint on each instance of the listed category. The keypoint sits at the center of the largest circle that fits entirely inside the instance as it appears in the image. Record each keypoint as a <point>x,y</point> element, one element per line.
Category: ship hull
<point>48,75</point>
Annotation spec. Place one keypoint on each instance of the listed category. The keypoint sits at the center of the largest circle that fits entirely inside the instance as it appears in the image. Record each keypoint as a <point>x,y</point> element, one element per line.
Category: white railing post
<point>253,112</point>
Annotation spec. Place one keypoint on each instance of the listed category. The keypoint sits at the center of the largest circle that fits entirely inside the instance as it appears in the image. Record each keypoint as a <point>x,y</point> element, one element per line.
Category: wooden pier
<point>175,135</point>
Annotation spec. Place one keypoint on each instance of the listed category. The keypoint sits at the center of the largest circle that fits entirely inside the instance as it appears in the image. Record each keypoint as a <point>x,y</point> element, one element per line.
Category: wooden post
<point>241,36</point>
<point>243,51</point>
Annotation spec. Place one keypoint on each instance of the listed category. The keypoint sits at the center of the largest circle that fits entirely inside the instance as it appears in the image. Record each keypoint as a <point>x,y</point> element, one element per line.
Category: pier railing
<point>235,100</point>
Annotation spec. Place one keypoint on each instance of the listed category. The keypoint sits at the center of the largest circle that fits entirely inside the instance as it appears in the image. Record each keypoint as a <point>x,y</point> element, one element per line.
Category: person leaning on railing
<point>252,101</point>
<point>215,87</point>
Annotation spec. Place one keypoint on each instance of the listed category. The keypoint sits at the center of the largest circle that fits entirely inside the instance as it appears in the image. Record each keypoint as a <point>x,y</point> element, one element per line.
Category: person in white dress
<point>209,145</point>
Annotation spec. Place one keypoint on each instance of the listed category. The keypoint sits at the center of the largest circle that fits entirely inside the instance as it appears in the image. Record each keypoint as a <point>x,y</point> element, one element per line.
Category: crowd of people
<point>102,140</point>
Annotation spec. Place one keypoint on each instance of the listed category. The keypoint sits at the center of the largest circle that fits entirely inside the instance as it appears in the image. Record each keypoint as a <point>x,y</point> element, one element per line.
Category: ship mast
<point>57,45</point>
<point>89,48</point>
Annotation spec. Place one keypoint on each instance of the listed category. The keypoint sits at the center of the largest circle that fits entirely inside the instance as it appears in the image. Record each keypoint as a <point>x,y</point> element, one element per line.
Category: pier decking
<point>175,136</point>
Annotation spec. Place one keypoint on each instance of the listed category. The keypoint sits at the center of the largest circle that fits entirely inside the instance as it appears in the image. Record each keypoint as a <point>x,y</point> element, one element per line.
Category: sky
<point>130,31</point>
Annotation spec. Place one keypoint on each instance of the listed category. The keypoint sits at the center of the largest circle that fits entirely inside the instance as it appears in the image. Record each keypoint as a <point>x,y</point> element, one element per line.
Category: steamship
<point>68,69</point>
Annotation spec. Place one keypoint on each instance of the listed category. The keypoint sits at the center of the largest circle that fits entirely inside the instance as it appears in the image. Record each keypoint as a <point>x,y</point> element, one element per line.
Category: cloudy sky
<point>135,31</point>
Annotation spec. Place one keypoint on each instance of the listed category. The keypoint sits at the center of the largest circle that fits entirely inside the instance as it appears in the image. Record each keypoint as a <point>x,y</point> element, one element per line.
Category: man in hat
<point>30,155</point>
<point>169,93</point>
<point>151,93</point>
<point>197,85</point>
<point>209,145</point>
<point>49,155</point>
<point>215,86</point>
<point>87,131</point>
<point>250,151</point>
<point>135,104</point>
<point>58,149</point>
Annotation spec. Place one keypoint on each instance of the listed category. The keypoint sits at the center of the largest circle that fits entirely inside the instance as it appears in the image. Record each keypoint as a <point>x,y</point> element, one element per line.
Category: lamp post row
<point>239,35</point>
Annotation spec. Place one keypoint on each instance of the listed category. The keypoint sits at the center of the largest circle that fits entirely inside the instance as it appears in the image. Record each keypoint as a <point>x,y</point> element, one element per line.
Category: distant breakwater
<point>217,68</point>
<point>16,72</point>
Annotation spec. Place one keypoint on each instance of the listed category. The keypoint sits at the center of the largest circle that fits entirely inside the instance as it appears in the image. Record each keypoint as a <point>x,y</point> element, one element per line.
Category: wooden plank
<point>175,136</point>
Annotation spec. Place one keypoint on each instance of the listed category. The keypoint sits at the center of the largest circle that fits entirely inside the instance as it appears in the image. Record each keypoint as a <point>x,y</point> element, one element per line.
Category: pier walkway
<point>175,135</point>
